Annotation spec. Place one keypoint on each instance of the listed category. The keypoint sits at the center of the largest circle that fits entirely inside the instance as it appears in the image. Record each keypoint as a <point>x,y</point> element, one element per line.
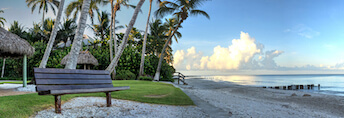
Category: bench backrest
<point>65,79</point>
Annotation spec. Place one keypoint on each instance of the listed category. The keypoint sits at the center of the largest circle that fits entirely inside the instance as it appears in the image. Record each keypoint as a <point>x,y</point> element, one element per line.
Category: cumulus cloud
<point>243,53</point>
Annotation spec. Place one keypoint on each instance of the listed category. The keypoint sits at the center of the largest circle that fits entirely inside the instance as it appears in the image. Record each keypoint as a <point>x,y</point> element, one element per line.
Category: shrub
<point>125,75</point>
<point>145,78</point>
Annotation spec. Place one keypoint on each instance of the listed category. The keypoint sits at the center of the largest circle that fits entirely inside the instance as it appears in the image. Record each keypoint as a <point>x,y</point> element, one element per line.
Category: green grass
<point>15,82</point>
<point>28,104</point>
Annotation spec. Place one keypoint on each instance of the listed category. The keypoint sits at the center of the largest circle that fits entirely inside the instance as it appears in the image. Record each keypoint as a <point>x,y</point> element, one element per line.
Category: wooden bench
<point>57,82</point>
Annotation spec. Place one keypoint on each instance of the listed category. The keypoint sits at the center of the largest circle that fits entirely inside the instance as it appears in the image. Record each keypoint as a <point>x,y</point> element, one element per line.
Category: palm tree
<point>2,19</point>
<point>43,5</point>
<point>158,36</point>
<point>76,46</point>
<point>114,61</point>
<point>66,30</point>
<point>17,29</point>
<point>145,41</point>
<point>116,7</point>
<point>181,9</point>
<point>101,28</point>
<point>76,7</point>
<point>52,37</point>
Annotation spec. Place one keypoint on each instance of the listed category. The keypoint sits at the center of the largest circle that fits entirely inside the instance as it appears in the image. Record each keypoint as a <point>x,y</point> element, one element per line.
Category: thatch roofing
<point>13,46</point>
<point>85,57</point>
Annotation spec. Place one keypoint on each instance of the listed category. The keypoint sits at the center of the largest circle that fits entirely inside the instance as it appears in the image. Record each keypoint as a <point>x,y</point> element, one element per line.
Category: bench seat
<point>75,91</point>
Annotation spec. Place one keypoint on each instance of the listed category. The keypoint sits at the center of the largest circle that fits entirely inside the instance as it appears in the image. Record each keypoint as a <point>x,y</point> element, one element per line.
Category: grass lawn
<point>141,91</point>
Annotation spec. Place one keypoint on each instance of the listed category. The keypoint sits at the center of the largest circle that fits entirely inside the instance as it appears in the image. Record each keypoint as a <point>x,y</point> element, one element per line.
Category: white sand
<point>243,101</point>
<point>96,107</point>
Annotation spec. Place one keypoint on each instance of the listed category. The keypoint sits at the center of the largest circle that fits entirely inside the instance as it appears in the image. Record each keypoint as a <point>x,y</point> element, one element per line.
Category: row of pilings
<point>294,87</point>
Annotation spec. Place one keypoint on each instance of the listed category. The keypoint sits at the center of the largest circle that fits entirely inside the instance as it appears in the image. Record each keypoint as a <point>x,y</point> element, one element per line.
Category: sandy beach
<point>215,100</point>
<point>225,99</point>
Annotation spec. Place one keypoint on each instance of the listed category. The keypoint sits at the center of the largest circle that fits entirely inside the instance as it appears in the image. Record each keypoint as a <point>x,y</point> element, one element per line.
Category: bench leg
<point>57,103</point>
<point>108,99</point>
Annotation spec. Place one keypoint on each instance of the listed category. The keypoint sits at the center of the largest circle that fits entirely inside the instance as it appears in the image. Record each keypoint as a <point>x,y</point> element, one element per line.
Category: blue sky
<point>287,35</point>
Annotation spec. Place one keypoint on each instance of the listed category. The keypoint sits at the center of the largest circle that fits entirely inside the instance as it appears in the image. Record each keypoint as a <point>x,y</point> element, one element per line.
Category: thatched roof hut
<point>85,57</point>
<point>13,46</point>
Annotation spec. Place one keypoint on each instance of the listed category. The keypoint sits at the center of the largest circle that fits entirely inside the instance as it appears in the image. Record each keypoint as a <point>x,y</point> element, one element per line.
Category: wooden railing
<point>180,77</point>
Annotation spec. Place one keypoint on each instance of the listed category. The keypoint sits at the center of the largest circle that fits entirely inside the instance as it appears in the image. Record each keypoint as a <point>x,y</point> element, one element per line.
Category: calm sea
<point>329,84</point>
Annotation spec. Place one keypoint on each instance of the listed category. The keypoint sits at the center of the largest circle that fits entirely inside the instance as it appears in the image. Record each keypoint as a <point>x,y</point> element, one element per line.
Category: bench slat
<point>71,71</point>
<point>70,81</point>
<point>63,87</point>
<point>70,76</point>
<point>59,92</point>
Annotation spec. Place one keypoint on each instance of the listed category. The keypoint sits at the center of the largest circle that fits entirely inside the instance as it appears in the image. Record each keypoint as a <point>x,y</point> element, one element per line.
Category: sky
<point>242,36</point>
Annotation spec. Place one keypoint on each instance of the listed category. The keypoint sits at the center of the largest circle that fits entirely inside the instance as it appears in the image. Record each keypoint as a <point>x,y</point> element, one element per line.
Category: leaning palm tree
<point>141,72</point>
<point>76,46</point>
<point>2,19</point>
<point>181,9</point>
<point>43,5</point>
<point>114,61</point>
<point>76,6</point>
<point>114,8</point>
<point>52,37</point>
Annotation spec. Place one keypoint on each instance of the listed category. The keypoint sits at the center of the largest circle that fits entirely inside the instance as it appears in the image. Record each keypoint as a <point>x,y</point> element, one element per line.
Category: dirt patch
<point>9,92</point>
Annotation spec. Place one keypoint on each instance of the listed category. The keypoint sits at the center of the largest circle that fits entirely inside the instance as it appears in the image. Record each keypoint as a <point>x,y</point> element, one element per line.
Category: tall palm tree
<point>52,37</point>
<point>43,5</point>
<point>181,9</point>
<point>114,8</point>
<point>114,61</point>
<point>76,6</point>
<point>2,19</point>
<point>145,41</point>
<point>77,43</point>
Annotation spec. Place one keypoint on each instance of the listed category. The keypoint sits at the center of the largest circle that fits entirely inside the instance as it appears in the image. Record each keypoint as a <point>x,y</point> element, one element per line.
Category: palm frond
<point>199,12</point>
<point>163,11</point>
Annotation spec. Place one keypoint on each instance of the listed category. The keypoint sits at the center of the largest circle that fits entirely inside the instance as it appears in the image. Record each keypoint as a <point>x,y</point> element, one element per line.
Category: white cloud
<point>239,55</point>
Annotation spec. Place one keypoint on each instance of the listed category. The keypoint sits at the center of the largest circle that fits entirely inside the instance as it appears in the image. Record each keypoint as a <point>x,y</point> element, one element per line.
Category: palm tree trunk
<point>145,41</point>
<point>111,34</point>
<point>114,30</point>
<point>77,43</point>
<point>52,37</point>
<point>157,73</point>
<point>3,68</point>
<point>110,44</point>
<point>114,62</point>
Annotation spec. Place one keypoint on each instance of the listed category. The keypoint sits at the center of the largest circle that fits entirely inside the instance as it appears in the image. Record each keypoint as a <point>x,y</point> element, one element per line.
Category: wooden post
<point>3,67</point>
<point>24,71</point>
<point>84,66</point>
<point>108,99</point>
<point>318,86</point>
<point>57,103</point>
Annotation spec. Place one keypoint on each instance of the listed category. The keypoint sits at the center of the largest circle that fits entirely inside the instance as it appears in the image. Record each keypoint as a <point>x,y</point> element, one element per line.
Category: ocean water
<point>329,84</point>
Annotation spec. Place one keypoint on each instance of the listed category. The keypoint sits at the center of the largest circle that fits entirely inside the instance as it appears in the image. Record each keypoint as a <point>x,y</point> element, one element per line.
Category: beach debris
<point>306,95</point>
<point>293,94</point>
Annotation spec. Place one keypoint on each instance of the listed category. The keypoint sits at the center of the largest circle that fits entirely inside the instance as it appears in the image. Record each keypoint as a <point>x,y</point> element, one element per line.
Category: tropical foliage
<point>2,19</point>
<point>157,56</point>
